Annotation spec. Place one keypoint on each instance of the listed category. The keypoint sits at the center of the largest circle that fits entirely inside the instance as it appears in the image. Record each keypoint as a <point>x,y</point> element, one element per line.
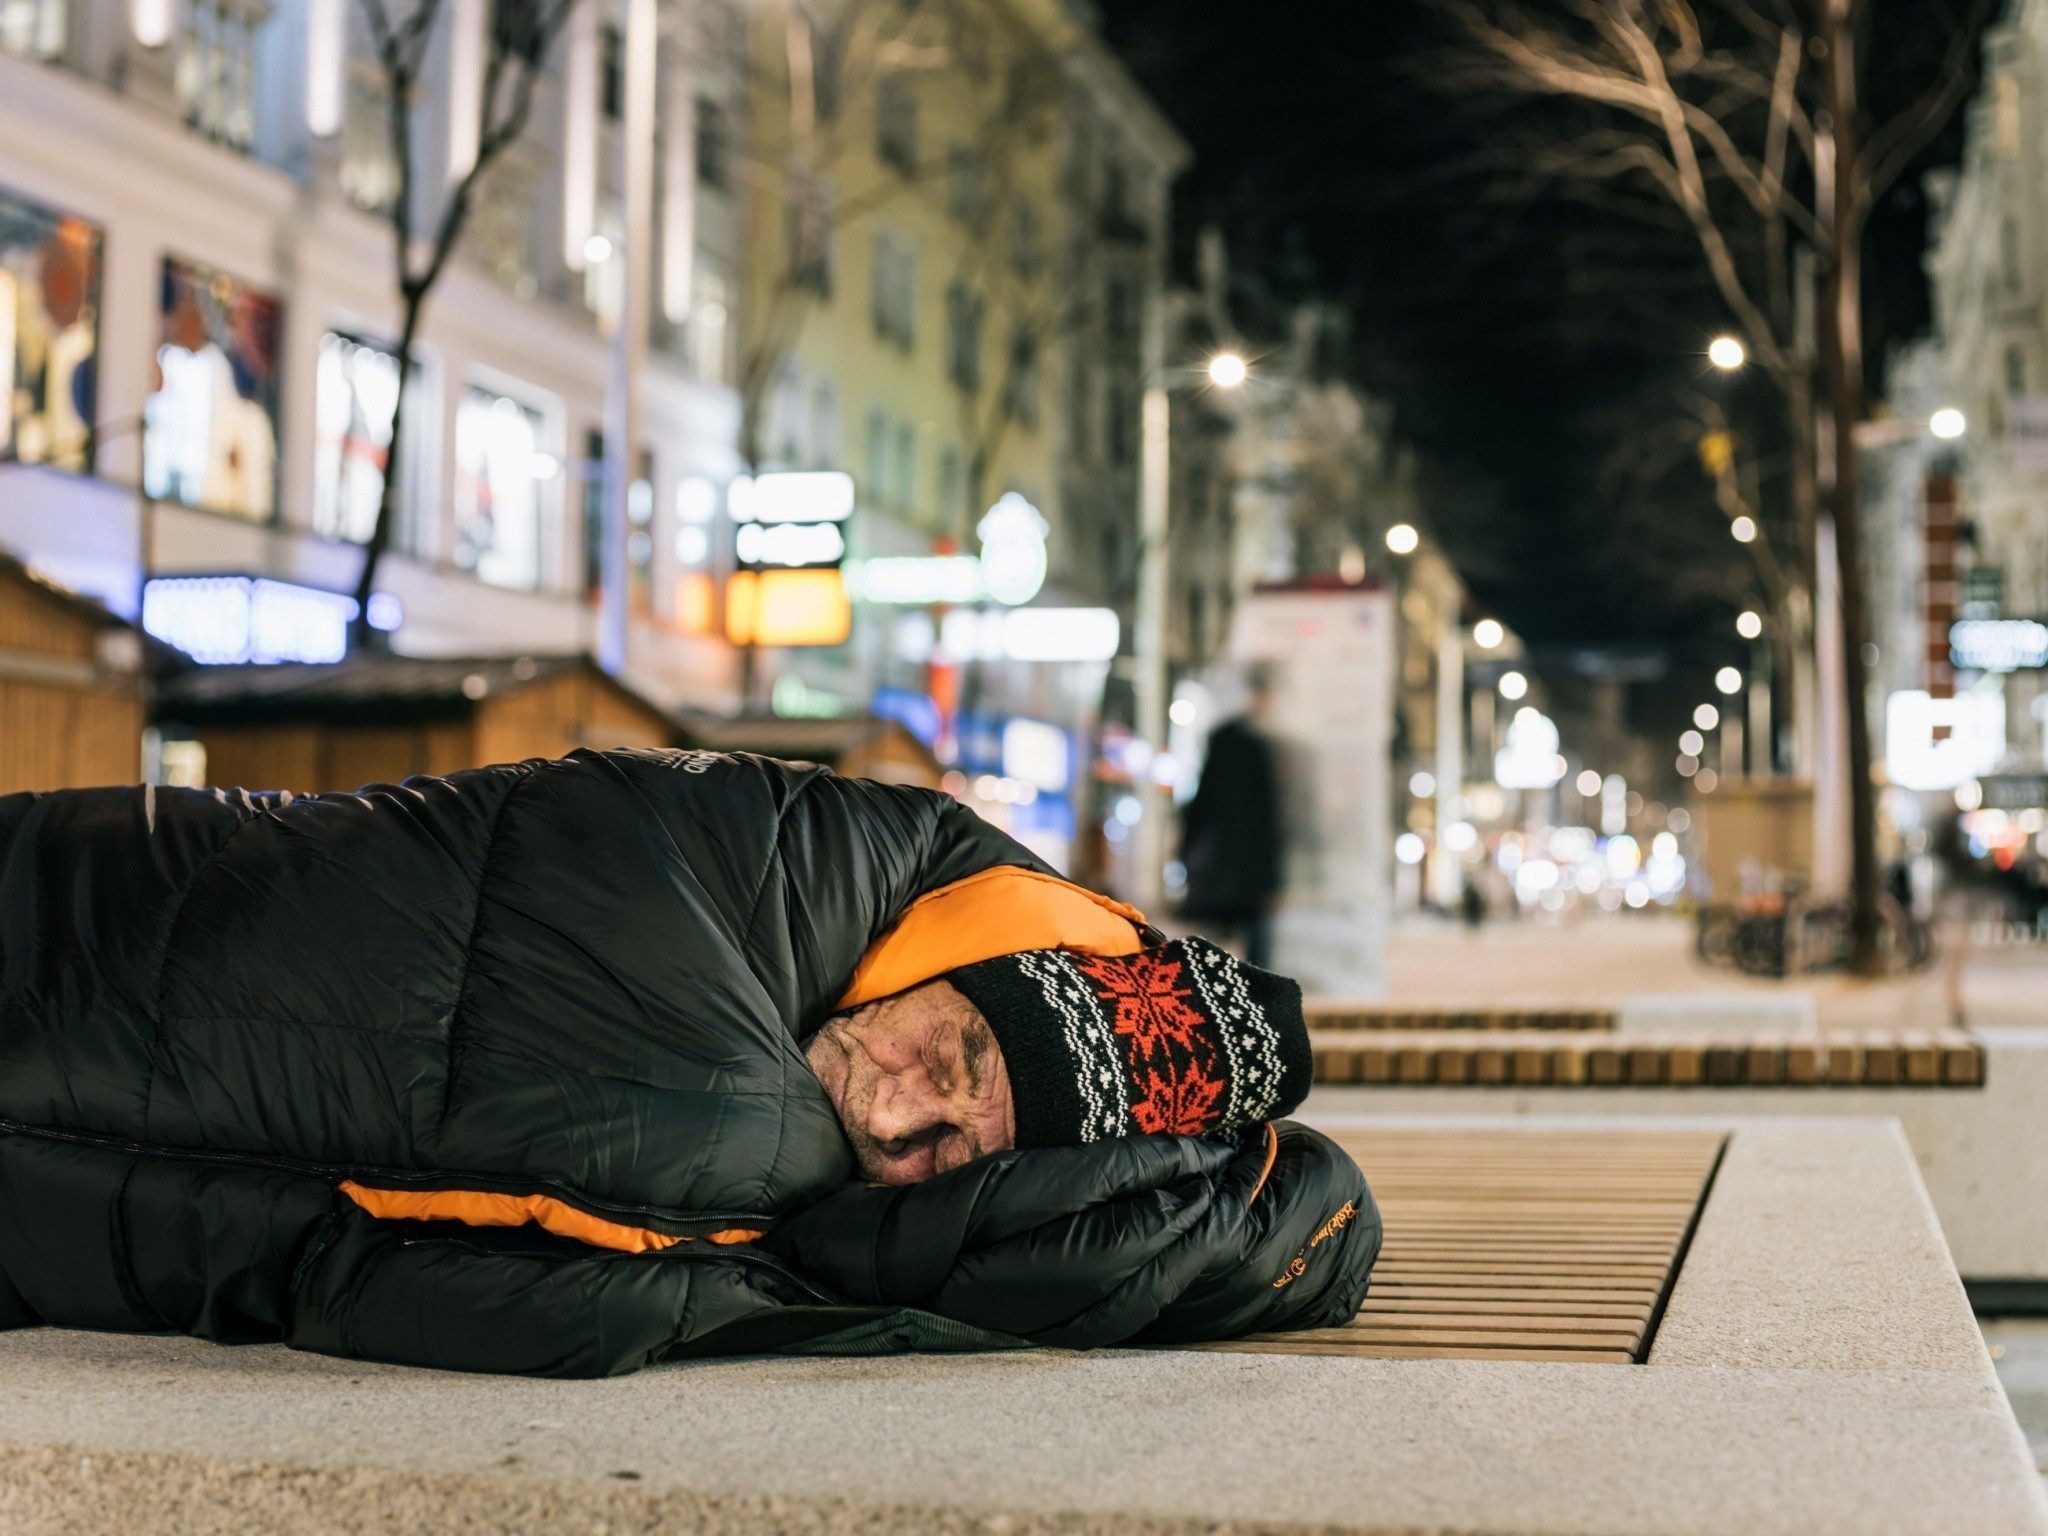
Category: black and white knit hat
<point>1181,1039</point>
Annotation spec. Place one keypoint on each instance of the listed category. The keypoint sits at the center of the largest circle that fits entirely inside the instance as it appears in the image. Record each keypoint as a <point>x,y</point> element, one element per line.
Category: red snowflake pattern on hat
<point>1170,1053</point>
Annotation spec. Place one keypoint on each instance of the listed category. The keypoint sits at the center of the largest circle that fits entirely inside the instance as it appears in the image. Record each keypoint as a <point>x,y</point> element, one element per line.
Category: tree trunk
<point>379,541</point>
<point>1842,350</point>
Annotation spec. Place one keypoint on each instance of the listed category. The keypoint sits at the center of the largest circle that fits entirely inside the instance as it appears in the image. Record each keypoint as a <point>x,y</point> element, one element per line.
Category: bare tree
<point>1746,117</point>
<point>519,35</point>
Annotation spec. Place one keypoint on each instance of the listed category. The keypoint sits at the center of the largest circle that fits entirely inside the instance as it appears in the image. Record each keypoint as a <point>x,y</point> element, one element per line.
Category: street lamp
<point>1729,681</point>
<point>1225,370</point>
<point>1744,529</point>
<point>1706,717</point>
<point>1748,624</point>
<point>1947,424</point>
<point>1513,685</point>
<point>1487,634</point>
<point>1726,353</point>
<point>1402,539</point>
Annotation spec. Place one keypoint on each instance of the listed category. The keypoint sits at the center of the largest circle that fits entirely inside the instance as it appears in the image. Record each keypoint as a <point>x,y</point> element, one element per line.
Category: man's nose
<point>901,1110</point>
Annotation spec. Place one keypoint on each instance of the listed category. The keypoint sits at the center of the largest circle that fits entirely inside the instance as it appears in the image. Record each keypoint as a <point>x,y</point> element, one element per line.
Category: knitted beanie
<point>1181,1038</point>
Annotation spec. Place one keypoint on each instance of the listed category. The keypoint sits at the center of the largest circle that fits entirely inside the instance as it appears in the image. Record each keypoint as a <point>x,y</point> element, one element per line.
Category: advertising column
<point>1330,655</point>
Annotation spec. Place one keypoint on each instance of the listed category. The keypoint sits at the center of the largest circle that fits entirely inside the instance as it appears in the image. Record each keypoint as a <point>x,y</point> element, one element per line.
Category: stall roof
<point>818,741</point>
<point>371,687</point>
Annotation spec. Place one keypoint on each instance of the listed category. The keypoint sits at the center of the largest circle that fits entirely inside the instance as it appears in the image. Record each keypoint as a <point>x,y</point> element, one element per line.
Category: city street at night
<point>1024,767</point>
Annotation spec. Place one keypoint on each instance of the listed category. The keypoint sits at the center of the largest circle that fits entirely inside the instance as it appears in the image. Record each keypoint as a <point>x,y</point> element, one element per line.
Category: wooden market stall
<point>71,687</point>
<point>380,718</point>
<point>858,746</point>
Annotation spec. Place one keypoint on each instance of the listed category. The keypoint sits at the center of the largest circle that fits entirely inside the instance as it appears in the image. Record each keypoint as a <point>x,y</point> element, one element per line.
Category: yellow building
<point>927,194</point>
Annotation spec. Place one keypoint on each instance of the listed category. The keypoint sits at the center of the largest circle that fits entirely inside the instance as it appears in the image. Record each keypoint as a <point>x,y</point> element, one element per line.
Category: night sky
<point>1538,356</point>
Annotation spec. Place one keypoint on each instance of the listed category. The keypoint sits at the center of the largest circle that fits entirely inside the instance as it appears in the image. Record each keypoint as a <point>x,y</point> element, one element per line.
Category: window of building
<point>808,239</point>
<point>1120,423</point>
<point>591,476</point>
<point>369,169</point>
<point>611,73</point>
<point>825,445</point>
<point>1023,380</point>
<point>1120,312</point>
<point>894,284</point>
<point>2009,252</point>
<point>875,458</point>
<point>906,466</point>
<point>209,436</point>
<point>1027,240</point>
<point>501,225</point>
<point>791,407</point>
<point>2016,370</point>
<point>950,488</point>
<point>355,390</point>
<point>714,144</point>
<point>1081,407</point>
<point>963,335</point>
<point>966,186</point>
<point>33,28</point>
<point>499,513</point>
<point>708,343</point>
<point>216,71</point>
<point>896,123</point>
<point>49,335</point>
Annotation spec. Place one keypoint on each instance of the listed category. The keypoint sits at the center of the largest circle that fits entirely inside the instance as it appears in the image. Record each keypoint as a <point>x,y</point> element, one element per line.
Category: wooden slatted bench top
<point>1518,1245</point>
<point>1373,1016</point>
<point>1591,1059</point>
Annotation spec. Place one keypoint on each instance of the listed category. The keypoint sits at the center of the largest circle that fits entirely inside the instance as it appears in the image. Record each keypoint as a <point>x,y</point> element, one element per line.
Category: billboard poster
<point>1329,653</point>
<point>49,335</point>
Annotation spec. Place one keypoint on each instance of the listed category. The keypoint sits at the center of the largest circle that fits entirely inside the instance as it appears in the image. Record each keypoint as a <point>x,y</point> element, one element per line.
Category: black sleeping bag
<point>582,982</point>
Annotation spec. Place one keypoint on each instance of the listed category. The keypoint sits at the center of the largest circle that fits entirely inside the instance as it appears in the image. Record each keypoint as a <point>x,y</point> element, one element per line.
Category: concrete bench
<point>1815,1370</point>
<point>1970,1105</point>
<point>1889,1058</point>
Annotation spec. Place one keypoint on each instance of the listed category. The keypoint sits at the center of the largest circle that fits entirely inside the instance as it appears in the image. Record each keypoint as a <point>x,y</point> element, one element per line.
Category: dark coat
<point>583,983</point>
<point>1232,838</point>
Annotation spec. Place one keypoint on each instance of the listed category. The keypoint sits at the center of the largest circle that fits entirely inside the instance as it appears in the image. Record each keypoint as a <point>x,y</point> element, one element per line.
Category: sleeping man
<point>566,1067</point>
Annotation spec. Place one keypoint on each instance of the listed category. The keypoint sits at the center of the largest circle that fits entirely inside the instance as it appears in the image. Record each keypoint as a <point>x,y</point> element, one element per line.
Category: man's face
<point>918,1081</point>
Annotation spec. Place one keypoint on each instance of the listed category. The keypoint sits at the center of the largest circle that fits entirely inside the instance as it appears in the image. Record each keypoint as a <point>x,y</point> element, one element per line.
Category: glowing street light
<point>1706,717</point>
<point>1744,529</point>
<point>1692,743</point>
<point>1589,783</point>
<point>1748,625</point>
<point>1402,539</point>
<point>1487,634</point>
<point>1728,680</point>
<point>1947,423</point>
<point>1726,353</point>
<point>1227,370</point>
<point>597,250</point>
<point>1513,685</point>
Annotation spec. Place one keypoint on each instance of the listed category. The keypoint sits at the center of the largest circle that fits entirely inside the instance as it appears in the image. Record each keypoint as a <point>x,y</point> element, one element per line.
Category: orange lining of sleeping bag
<point>1000,911</point>
<point>483,1208</point>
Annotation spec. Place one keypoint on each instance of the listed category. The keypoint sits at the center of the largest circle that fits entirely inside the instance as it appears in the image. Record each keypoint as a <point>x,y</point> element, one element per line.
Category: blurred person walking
<point>1232,835</point>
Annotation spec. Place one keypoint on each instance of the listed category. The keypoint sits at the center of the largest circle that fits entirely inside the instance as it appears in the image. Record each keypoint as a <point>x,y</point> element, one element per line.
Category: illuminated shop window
<point>355,390</point>
<point>49,334</point>
<point>500,469</point>
<point>210,427</point>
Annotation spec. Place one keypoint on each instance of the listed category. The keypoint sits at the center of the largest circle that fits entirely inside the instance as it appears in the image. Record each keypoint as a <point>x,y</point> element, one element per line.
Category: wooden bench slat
<point>1518,1245</point>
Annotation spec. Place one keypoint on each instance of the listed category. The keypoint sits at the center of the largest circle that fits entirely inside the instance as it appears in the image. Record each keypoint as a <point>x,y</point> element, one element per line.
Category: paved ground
<point>1606,959</point>
<point>2019,1349</point>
